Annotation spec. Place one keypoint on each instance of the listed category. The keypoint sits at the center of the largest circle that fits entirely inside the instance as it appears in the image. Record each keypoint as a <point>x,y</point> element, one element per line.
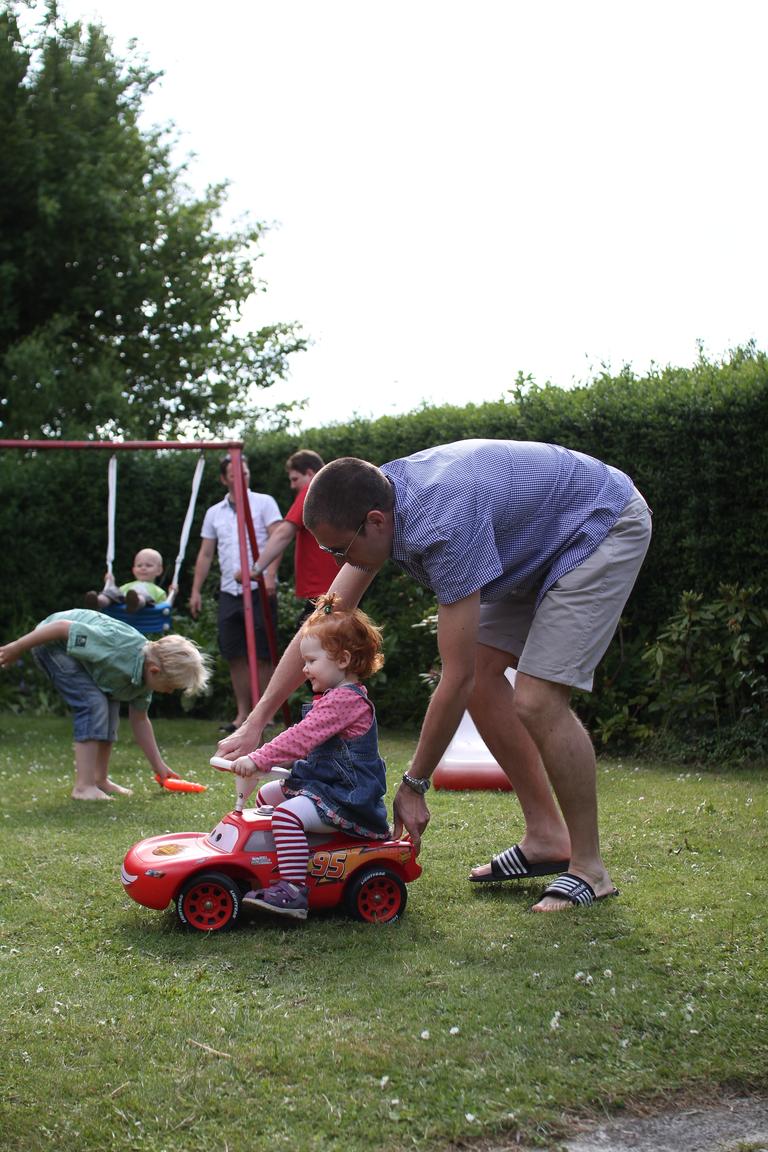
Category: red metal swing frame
<point>245,529</point>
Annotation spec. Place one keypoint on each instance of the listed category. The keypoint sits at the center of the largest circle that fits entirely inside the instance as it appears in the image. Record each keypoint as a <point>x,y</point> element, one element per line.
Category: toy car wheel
<point>376,896</point>
<point>210,902</point>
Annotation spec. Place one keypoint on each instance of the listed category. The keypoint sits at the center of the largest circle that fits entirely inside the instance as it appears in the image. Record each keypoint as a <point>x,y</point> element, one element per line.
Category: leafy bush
<point>709,492</point>
<point>708,665</point>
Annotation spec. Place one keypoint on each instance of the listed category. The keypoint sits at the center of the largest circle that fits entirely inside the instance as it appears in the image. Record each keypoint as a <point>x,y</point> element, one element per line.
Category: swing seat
<point>150,620</point>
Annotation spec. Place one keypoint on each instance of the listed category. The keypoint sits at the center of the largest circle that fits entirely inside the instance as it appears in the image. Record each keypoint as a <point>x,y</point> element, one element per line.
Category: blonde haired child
<point>96,662</point>
<point>337,778</point>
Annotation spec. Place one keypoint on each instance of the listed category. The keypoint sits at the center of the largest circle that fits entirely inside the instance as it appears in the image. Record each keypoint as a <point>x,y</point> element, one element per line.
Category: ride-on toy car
<point>206,876</point>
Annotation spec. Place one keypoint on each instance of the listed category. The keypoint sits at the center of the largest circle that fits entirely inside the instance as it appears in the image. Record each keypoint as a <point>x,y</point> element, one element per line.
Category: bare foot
<point>88,792</point>
<point>117,789</point>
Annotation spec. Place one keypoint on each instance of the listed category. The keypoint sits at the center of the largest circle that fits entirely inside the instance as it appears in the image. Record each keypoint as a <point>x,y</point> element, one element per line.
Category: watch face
<point>416,784</point>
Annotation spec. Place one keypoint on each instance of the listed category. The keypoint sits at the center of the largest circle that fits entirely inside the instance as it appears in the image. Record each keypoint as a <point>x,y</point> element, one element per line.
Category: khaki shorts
<point>564,639</point>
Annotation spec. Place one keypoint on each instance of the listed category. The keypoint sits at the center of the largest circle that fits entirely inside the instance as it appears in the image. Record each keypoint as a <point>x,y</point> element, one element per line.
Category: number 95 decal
<point>327,867</point>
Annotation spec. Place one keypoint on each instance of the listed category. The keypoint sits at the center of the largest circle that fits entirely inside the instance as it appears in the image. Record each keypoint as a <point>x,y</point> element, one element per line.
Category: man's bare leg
<point>569,758</point>
<point>492,707</point>
<point>87,767</point>
<point>265,675</point>
<point>241,684</point>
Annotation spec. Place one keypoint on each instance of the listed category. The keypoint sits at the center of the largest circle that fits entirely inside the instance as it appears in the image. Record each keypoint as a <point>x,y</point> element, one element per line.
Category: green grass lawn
<point>471,1019</point>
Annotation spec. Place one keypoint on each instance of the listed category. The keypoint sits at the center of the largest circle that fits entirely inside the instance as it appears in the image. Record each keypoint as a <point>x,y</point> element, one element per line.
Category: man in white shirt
<point>219,532</point>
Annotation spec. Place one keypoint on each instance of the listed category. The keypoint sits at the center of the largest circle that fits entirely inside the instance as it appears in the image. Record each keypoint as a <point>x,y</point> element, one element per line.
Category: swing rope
<point>111,508</point>
<point>185,531</point>
<point>187,526</point>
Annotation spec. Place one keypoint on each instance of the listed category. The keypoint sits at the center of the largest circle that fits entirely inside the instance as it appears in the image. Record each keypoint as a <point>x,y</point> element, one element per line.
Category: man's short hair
<point>303,461</point>
<point>344,492</point>
<point>225,462</point>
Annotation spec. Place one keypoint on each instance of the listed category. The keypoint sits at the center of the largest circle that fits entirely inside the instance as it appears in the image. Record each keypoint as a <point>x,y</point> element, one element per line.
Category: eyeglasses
<point>341,553</point>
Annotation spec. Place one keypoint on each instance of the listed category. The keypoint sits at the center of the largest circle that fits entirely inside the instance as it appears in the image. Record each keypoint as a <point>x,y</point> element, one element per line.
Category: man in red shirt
<point>314,570</point>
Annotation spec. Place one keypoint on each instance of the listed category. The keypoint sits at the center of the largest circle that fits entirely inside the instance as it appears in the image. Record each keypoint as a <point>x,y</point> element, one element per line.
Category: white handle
<point>220,762</point>
<point>227,766</point>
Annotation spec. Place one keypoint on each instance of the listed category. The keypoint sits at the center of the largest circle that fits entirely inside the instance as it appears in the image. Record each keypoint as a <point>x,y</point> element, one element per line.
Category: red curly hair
<point>340,630</point>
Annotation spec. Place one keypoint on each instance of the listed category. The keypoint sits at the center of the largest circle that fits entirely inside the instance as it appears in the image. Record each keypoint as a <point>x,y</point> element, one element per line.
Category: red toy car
<point>206,876</point>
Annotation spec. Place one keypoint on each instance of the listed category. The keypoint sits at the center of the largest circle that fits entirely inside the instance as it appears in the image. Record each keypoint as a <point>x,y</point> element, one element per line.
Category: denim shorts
<point>564,639</point>
<point>95,716</point>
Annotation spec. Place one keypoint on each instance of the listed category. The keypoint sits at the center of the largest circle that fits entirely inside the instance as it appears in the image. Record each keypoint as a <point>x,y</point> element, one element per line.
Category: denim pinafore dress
<point>346,780</point>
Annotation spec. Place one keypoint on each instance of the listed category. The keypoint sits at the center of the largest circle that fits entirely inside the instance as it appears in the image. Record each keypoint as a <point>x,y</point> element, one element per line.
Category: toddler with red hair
<point>337,777</point>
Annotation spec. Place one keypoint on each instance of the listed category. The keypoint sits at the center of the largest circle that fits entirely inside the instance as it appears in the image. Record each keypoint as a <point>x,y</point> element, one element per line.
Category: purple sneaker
<point>283,898</point>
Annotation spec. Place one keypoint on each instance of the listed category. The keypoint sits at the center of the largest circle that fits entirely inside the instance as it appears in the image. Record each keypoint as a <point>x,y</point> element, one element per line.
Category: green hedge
<point>693,439</point>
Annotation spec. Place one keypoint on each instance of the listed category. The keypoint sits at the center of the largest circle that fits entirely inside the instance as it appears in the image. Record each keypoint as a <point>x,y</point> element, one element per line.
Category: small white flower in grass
<point>40,988</point>
<point>425,1034</point>
<point>384,1081</point>
<point>470,1117</point>
<point>453,1031</point>
<point>607,973</point>
<point>555,1022</point>
<point>623,1043</point>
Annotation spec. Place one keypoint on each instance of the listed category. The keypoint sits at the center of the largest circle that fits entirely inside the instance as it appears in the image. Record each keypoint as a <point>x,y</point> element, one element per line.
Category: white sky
<point>466,189</point>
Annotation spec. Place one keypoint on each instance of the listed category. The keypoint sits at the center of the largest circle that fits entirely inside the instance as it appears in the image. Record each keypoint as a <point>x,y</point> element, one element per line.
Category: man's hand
<point>240,743</point>
<point>195,604</point>
<point>411,813</point>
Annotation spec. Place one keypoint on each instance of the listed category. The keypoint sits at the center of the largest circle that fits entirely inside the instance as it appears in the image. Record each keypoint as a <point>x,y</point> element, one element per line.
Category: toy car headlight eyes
<point>224,837</point>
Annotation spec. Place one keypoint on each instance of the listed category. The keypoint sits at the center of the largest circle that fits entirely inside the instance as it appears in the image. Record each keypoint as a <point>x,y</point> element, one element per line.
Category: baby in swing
<point>337,776</point>
<point>137,593</point>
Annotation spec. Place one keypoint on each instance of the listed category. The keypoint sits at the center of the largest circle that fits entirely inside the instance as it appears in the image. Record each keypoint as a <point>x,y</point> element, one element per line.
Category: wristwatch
<point>415,784</point>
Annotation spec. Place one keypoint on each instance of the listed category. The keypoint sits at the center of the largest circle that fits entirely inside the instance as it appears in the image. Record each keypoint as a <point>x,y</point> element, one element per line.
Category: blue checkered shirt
<point>500,516</point>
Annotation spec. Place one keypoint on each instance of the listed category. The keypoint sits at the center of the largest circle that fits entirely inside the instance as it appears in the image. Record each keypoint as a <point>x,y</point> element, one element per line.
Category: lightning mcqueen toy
<point>206,876</point>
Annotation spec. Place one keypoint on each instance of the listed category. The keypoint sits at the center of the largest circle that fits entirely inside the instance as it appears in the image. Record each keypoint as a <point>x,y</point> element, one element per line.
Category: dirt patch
<point>724,1124</point>
<point>735,1125</point>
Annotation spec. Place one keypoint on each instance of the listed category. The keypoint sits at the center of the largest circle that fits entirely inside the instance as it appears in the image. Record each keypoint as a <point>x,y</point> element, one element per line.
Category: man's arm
<point>456,640</point>
<point>269,560</point>
<point>350,584</point>
<point>202,568</point>
<point>44,634</point>
<point>281,533</point>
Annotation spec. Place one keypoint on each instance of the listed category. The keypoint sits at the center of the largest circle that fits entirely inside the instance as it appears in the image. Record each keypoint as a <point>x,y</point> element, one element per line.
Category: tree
<point>119,298</point>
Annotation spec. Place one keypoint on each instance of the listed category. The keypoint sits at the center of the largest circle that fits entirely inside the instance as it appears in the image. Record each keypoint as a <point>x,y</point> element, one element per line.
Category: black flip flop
<point>579,892</point>
<point>514,865</point>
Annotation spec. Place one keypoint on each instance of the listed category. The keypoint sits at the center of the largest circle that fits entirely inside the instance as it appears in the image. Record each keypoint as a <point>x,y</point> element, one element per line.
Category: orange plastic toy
<point>174,783</point>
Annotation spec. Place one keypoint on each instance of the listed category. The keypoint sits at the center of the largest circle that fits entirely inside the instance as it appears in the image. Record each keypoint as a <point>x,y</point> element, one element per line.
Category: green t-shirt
<point>112,653</point>
<point>154,591</point>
